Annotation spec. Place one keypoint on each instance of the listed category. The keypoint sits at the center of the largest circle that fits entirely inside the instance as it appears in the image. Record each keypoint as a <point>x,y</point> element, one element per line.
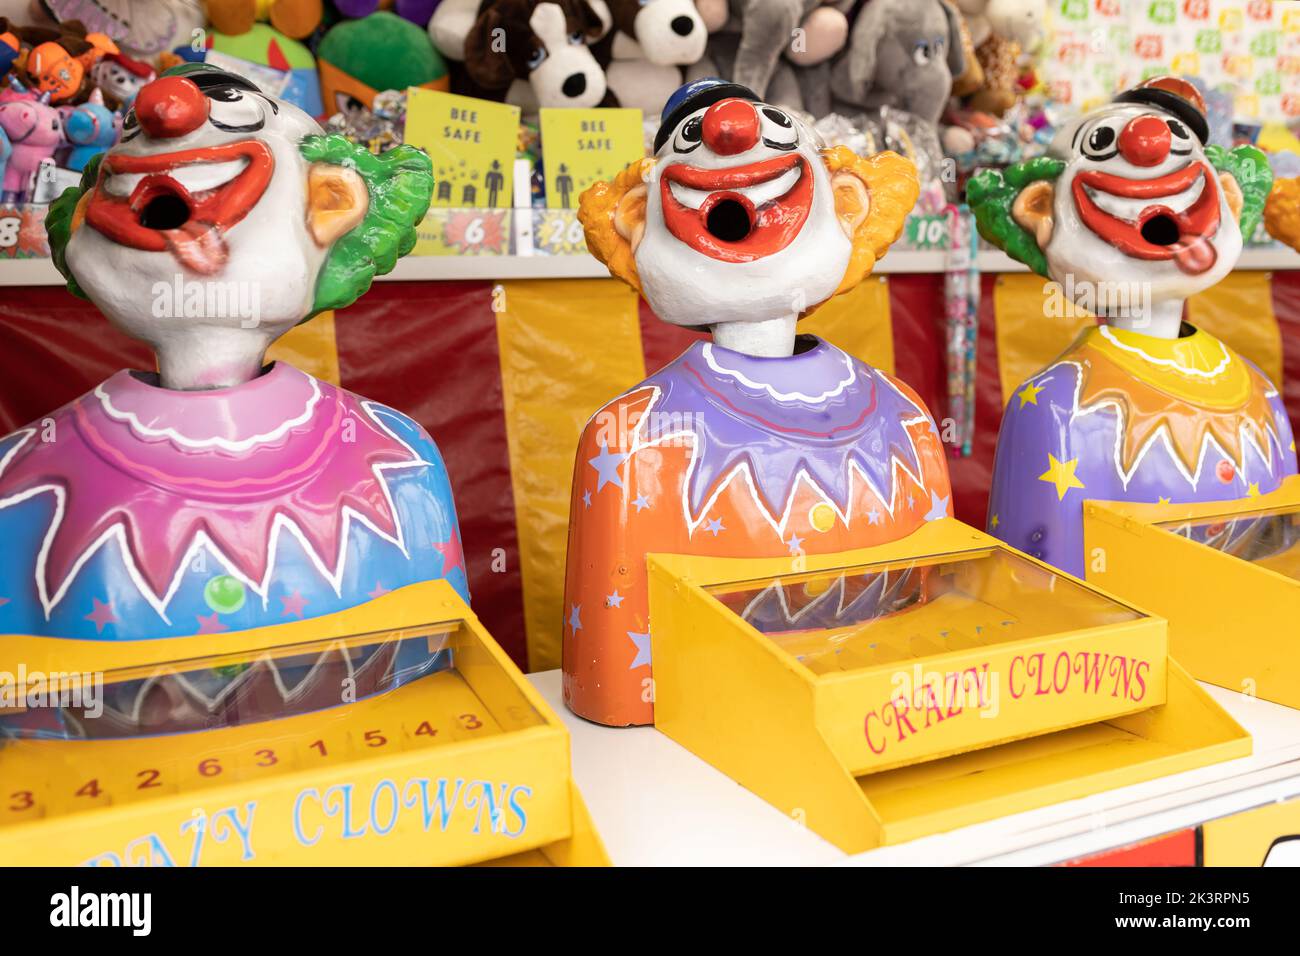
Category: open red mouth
<point>182,202</point>
<point>1155,230</point>
<point>741,213</point>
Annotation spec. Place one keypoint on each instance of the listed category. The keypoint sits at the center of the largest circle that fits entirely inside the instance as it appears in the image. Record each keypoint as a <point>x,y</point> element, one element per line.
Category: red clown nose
<point>1145,141</point>
<point>730,126</point>
<point>170,107</point>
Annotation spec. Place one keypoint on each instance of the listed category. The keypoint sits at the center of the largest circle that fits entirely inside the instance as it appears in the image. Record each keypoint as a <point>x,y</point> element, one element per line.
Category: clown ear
<point>337,201</point>
<point>873,196</point>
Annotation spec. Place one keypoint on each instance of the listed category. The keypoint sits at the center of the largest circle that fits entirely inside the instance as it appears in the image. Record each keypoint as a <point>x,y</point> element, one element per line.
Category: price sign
<point>929,232</point>
<point>557,232</point>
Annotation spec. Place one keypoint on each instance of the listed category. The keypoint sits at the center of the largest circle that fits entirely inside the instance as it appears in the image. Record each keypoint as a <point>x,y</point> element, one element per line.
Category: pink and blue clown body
<point>1130,212</point>
<point>221,493</point>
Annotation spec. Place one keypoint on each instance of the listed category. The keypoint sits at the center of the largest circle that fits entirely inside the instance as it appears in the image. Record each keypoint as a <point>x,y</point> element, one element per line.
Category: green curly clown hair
<point>992,192</point>
<point>400,184</point>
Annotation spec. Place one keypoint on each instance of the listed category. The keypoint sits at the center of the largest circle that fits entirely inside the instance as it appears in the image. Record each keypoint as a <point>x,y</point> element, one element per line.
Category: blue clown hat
<point>697,95</point>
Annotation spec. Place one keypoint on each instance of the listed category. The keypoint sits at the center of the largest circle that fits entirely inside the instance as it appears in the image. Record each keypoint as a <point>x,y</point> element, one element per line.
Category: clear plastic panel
<point>1270,538</point>
<point>851,618</point>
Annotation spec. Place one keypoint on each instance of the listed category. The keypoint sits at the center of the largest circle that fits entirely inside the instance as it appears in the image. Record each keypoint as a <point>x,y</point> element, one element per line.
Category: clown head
<point>743,221</point>
<point>1129,193</point>
<point>224,217</point>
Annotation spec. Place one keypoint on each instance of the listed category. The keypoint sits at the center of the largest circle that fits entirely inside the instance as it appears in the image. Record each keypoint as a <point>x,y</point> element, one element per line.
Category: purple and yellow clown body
<point>1122,416</point>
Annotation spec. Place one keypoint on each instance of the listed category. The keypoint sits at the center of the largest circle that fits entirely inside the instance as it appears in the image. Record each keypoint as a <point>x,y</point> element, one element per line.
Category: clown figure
<point>1130,213</point>
<point>760,442</point>
<point>222,493</point>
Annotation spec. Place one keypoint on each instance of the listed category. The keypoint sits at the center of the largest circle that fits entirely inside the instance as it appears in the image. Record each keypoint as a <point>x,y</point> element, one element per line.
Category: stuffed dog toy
<point>648,44</point>
<point>901,53</point>
<point>742,222</point>
<point>530,53</point>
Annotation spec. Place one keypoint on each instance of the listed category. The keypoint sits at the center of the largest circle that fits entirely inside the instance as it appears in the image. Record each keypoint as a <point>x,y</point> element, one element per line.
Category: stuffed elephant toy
<point>901,53</point>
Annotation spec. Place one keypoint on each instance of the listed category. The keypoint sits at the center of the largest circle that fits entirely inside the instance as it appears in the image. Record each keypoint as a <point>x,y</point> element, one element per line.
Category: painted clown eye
<point>536,58</point>
<point>1100,142</point>
<point>234,110</point>
<point>689,136</point>
<point>779,131</point>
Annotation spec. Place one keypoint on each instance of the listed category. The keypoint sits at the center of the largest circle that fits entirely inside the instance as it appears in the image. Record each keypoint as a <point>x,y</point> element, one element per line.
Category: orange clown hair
<point>1282,214</point>
<point>612,213</point>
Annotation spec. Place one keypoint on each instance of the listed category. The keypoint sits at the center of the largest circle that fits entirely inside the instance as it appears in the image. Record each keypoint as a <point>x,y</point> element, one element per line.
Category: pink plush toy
<point>35,130</point>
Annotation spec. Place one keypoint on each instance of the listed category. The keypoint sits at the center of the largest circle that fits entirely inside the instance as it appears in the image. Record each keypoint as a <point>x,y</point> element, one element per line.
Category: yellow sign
<point>472,145</point>
<point>584,146</point>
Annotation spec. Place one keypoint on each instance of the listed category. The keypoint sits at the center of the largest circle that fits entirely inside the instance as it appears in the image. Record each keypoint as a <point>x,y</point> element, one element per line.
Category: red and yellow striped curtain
<point>504,376</point>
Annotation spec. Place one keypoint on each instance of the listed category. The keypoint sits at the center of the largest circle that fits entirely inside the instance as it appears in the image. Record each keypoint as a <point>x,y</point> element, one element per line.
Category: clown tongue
<point>1196,256</point>
<point>199,246</point>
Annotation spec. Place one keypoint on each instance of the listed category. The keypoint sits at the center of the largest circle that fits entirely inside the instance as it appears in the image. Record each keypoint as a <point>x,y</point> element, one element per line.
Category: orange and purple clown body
<point>761,442</point>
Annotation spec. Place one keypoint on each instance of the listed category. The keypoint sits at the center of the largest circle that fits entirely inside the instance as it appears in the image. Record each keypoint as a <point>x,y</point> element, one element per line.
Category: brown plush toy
<point>293,18</point>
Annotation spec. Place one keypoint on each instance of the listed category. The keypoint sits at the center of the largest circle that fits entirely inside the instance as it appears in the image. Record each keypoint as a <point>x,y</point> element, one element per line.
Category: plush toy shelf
<point>885,694</point>
<point>1226,575</point>
<point>457,761</point>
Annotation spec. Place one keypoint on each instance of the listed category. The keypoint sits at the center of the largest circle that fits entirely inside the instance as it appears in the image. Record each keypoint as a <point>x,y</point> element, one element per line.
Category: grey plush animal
<point>901,53</point>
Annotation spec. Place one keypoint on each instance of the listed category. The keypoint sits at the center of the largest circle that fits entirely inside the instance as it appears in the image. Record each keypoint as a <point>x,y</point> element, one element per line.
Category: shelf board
<point>27,272</point>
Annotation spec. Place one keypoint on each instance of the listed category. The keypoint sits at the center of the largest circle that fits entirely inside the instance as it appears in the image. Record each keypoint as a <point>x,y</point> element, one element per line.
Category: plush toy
<point>89,128</point>
<point>6,150</point>
<point>52,70</point>
<point>1003,33</point>
<point>359,58</point>
<point>264,46</point>
<point>1130,213</point>
<point>648,43</point>
<point>293,18</point>
<point>416,11</point>
<point>221,493</point>
<point>120,77</point>
<point>142,28</point>
<point>779,445</point>
<point>34,129</point>
<point>534,53</point>
<point>1282,213</point>
<point>901,53</point>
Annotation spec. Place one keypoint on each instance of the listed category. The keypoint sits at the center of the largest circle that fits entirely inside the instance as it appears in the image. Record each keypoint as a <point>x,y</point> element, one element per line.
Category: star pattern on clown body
<point>453,556</point>
<point>1162,500</point>
<point>379,591</point>
<point>607,464</point>
<point>873,516</point>
<point>641,502</point>
<point>614,600</point>
<point>715,527</point>
<point>938,507</point>
<point>994,522</point>
<point>211,624</point>
<point>1061,474</point>
<point>1029,394</point>
<point>1253,490</point>
<point>642,644</point>
<point>586,497</point>
<point>795,544</point>
<point>293,604</point>
<point>575,618</point>
<point>101,614</point>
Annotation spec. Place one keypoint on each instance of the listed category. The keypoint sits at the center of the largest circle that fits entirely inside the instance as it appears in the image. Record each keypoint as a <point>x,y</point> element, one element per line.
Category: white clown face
<point>1139,202</point>
<point>740,222</point>
<point>207,192</point>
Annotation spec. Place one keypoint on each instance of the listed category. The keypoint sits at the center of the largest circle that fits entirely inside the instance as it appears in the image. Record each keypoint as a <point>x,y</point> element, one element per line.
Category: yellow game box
<point>888,693</point>
<point>452,759</point>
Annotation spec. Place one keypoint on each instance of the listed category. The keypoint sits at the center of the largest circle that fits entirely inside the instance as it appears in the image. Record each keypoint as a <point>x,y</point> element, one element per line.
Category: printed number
<point>425,730</point>
<point>210,767</point>
<point>475,233</point>
<point>470,721</point>
<point>320,746</point>
<point>148,778</point>
<point>90,789</point>
<point>22,800</point>
<point>9,227</point>
<point>375,739</point>
<point>267,758</point>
